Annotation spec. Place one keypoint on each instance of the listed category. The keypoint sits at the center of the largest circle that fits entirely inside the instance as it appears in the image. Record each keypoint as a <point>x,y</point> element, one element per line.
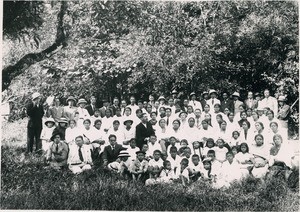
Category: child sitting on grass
<point>145,148</point>
<point>121,165</point>
<point>235,140</point>
<point>183,145</point>
<point>182,172</point>
<point>174,158</point>
<point>221,150</point>
<point>197,149</point>
<point>173,143</point>
<point>138,167</point>
<point>207,173</point>
<point>132,148</point>
<point>210,145</point>
<point>167,173</point>
<point>195,168</point>
<point>47,133</point>
<point>153,145</point>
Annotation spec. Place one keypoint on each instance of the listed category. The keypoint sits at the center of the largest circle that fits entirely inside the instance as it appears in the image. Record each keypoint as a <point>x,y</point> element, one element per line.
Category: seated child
<point>230,171</point>
<point>153,145</point>
<point>207,172</point>
<point>80,158</point>
<point>235,140</point>
<point>174,158</point>
<point>183,145</point>
<point>182,172</point>
<point>215,164</point>
<point>153,177</point>
<point>197,150</point>
<point>121,165</point>
<point>221,150</point>
<point>173,143</point>
<point>187,153</point>
<point>156,161</point>
<point>210,145</point>
<point>47,133</point>
<point>132,148</point>
<point>195,168</point>
<point>234,150</point>
<point>244,157</point>
<point>138,167</point>
<point>167,173</point>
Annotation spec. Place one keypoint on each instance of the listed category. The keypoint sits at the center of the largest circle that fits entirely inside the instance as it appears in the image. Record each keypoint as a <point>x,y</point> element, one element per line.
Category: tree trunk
<point>12,71</point>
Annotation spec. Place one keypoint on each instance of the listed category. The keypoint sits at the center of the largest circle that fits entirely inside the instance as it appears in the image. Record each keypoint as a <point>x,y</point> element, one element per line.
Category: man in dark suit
<point>226,102</point>
<point>143,131</point>
<point>111,152</point>
<point>115,105</point>
<point>35,111</point>
<point>204,99</point>
<point>91,107</point>
<point>250,102</point>
<point>104,108</point>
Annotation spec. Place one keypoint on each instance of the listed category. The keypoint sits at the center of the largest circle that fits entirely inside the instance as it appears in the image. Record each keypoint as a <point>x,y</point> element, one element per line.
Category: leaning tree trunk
<point>12,71</point>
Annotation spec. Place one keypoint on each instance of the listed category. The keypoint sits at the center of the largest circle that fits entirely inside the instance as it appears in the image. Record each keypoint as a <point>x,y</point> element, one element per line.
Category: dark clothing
<point>60,130</point>
<point>35,126</point>
<point>97,157</point>
<point>228,103</point>
<point>114,109</point>
<point>90,109</point>
<point>203,103</point>
<point>110,154</point>
<point>143,132</point>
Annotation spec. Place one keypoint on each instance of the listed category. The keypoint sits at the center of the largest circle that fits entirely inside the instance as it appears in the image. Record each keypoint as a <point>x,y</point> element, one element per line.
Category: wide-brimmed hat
<point>257,94</point>
<point>35,95</point>
<point>236,94</point>
<point>174,91</point>
<point>128,120</point>
<point>63,120</point>
<point>204,92</point>
<point>161,97</point>
<point>71,98</point>
<point>49,120</point>
<point>123,153</point>
<point>212,91</point>
<point>182,113</point>
<point>55,134</point>
<point>80,101</point>
<point>193,93</point>
<point>281,99</point>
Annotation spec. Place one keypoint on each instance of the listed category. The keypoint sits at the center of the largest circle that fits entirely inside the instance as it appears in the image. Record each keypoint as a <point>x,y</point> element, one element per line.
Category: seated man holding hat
<point>57,154</point>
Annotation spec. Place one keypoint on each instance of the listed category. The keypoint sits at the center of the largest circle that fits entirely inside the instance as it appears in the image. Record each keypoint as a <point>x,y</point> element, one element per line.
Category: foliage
<point>118,48</point>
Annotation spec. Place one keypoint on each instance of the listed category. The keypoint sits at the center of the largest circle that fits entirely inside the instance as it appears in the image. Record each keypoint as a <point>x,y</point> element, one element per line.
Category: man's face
<point>140,104</point>
<point>79,142</point>
<point>97,113</point>
<point>195,160</point>
<point>197,113</point>
<point>93,100</point>
<point>132,144</point>
<point>186,102</point>
<point>123,103</point>
<point>193,97</point>
<point>118,112</point>
<point>127,111</point>
<point>145,118</point>
<point>113,141</point>
<point>116,102</point>
<point>56,139</point>
<point>266,93</point>
<point>213,95</point>
<point>191,122</point>
<point>151,98</point>
<point>250,95</point>
<point>107,113</point>
<point>116,126</point>
<point>205,96</point>
<point>106,104</point>
<point>171,102</point>
<point>168,113</point>
<point>132,100</point>
<point>225,95</point>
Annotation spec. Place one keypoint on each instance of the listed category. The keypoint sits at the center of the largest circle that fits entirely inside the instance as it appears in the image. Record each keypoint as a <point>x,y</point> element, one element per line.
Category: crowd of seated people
<point>161,141</point>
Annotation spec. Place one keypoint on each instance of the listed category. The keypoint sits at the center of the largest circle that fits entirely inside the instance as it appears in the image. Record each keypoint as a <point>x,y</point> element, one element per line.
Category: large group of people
<point>167,140</point>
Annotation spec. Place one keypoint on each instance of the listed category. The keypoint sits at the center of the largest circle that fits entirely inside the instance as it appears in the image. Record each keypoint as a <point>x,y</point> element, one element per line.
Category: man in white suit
<point>270,102</point>
<point>213,99</point>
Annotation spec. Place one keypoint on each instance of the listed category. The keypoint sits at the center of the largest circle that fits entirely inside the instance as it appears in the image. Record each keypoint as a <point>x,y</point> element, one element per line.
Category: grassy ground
<point>26,184</point>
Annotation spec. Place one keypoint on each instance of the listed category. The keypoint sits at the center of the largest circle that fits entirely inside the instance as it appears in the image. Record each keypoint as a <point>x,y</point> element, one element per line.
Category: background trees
<point>118,48</point>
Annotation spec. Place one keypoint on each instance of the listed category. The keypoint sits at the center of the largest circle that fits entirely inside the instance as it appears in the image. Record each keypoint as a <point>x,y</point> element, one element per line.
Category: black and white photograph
<point>146,105</point>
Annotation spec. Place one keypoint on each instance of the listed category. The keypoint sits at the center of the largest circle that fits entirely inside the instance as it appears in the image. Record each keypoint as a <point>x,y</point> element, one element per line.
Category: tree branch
<point>12,71</point>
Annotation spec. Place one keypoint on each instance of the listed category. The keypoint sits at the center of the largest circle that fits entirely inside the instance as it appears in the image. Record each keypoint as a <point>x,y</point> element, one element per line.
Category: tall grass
<point>27,184</point>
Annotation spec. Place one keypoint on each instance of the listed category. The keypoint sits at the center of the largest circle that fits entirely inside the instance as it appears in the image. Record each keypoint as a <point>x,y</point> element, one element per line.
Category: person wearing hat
<point>162,101</point>
<point>55,111</point>
<point>236,102</point>
<point>82,112</point>
<point>79,158</point>
<point>57,155</point>
<point>213,98</point>
<point>283,112</point>
<point>121,166</point>
<point>270,102</point>
<point>139,166</point>
<point>69,111</point>
<point>194,103</point>
<point>92,106</point>
<point>47,133</point>
<point>35,112</point>
<point>204,98</point>
<point>61,128</point>
<point>128,131</point>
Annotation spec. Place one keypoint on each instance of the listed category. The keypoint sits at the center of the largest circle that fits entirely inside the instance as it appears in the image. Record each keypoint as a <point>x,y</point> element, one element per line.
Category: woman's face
<point>206,108</point>
<point>243,148</point>
<point>98,125</point>
<point>190,110</point>
<point>235,135</point>
<point>207,117</point>
<point>259,141</point>
<point>196,145</point>
<point>183,116</point>
<point>175,125</point>
<point>153,116</point>
<point>127,112</point>
<point>226,111</point>
<point>191,122</point>
<point>217,109</point>
<point>72,124</point>
<point>87,125</point>
<point>245,126</point>
<point>254,115</point>
<point>270,115</point>
<point>258,126</point>
<point>231,116</point>
<point>223,126</point>
<point>274,127</point>
<point>219,119</point>
<point>210,144</point>
<point>277,140</point>
<point>149,108</point>
<point>162,123</point>
<point>243,115</point>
